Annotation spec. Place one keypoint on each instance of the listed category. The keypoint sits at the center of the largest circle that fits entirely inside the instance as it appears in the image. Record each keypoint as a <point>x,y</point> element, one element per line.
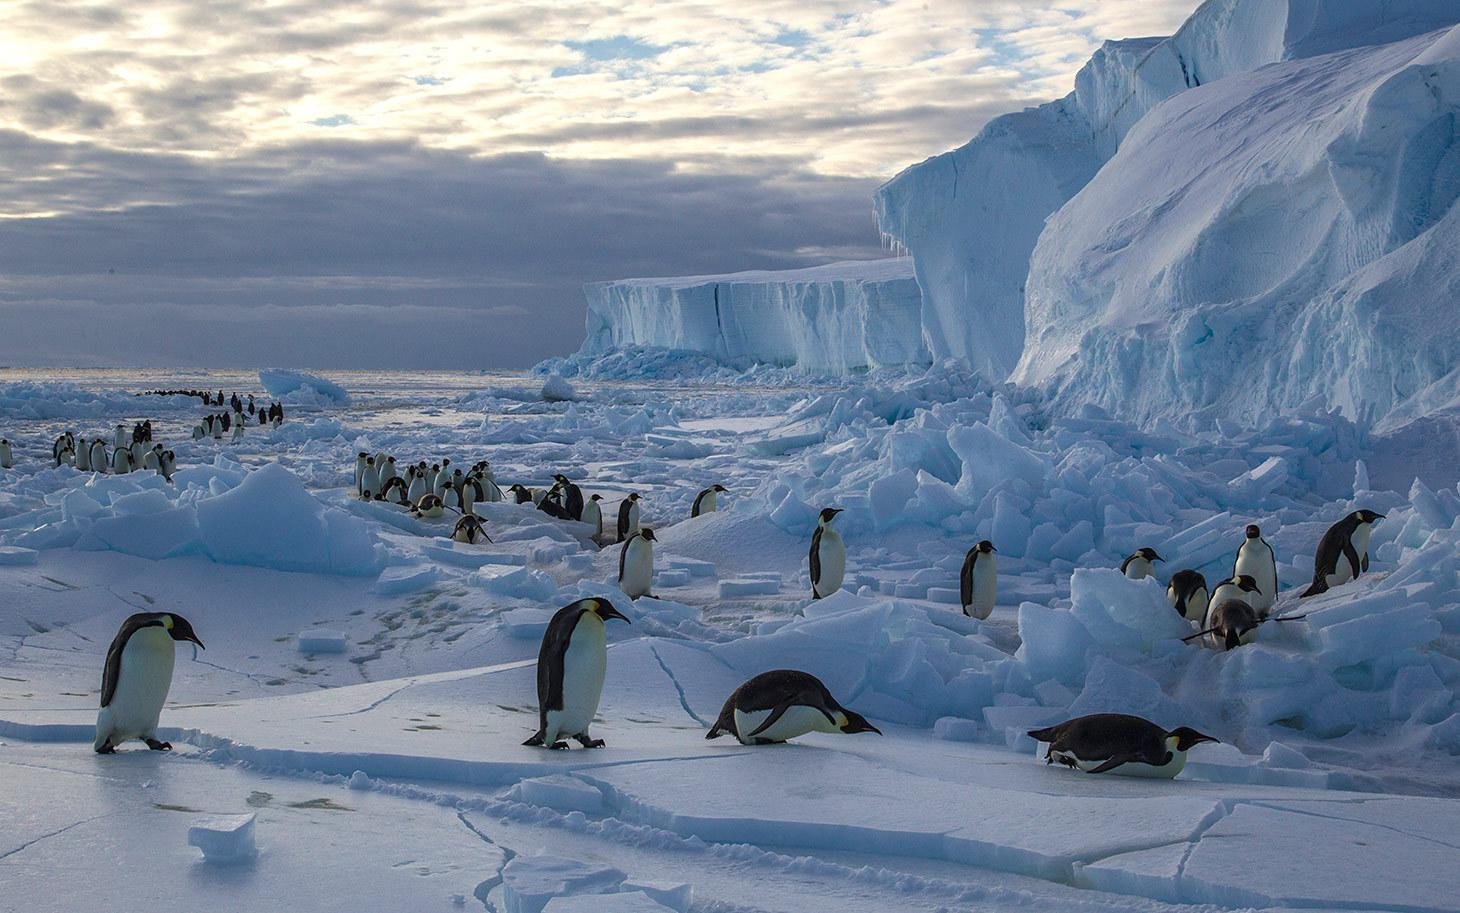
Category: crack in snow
<point>30,843</point>
<point>1385,827</point>
<point>683,700</point>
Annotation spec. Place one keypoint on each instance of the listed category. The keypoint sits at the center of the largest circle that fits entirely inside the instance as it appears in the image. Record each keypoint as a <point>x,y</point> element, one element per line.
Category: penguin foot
<point>558,746</point>
<point>156,745</point>
<point>589,743</point>
<point>107,749</point>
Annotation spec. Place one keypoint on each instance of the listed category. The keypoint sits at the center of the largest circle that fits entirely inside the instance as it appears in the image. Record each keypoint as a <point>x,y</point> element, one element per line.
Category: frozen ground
<point>390,776</point>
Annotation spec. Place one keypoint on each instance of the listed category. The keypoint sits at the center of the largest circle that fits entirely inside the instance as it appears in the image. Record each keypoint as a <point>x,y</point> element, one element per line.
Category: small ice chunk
<point>321,640</point>
<point>674,577</point>
<point>626,902</point>
<point>561,792</point>
<point>947,595</point>
<point>955,729</point>
<point>407,578</point>
<point>748,586</point>
<point>530,882</point>
<point>224,838</point>
<point>695,567</point>
<point>557,390</point>
<point>360,780</point>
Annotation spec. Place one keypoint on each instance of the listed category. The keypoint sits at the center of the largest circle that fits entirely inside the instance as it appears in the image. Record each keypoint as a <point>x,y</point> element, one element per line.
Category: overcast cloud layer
<point>424,183</point>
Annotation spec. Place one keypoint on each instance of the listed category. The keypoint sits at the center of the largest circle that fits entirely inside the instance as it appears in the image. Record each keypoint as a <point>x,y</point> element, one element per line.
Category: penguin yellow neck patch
<point>167,622</point>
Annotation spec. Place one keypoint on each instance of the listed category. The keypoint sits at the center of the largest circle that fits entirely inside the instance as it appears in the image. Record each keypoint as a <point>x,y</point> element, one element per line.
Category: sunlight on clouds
<point>852,88</point>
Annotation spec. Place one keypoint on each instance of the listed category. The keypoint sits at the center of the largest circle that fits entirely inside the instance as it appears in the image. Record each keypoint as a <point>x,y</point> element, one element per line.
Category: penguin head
<point>985,547</point>
<point>718,487</point>
<point>855,723</point>
<point>1253,532</point>
<point>1149,554</point>
<point>595,498</point>
<point>390,460</point>
<point>1367,516</point>
<point>179,628</point>
<point>648,534</point>
<point>1246,583</point>
<point>828,514</point>
<point>1183,738</point>
<point>370,461</point>
<point>560,478</point>
<point>604,609</point>
<point>634,496</point>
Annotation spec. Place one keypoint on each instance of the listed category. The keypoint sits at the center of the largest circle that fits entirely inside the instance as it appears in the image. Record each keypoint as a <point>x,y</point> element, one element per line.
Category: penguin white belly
<point>593,517</point>
<point>985,589</point>
<point>1138,569</point>
<point>1255,561</point>
<point>796,721</point>
<point>1196,606</point>
<point>98,457</point>
<point>83,458</point>
<point>417,490</point>
<point>1133,769</point>
<point>584,665</point>
<point>833,555</point>
<point>150,461</point>
<point>638,568</point>
<point>707,503</point>
<point>142,685</point>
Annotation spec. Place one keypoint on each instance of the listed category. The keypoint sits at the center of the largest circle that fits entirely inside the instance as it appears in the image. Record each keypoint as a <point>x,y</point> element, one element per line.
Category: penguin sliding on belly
<point>1343,552</point>
<point>1120,744</point>
<point>777,706</point>
<point>828,556</point>
<point>636,564</point>
<point>429,506</point>
<point>469,529</point>
<point>570,670</point>
<point>137,677</point>
<point>1255,559</point>
<point>978,583</point>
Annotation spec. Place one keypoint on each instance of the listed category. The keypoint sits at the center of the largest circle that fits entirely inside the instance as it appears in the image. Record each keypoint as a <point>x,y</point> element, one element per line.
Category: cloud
<point>311,157</point>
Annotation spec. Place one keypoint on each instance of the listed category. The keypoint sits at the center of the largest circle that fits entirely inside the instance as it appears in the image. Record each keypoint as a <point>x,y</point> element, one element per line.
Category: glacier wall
<point>972,217</point>
<point>1286,236</point>
<point>836,319</point>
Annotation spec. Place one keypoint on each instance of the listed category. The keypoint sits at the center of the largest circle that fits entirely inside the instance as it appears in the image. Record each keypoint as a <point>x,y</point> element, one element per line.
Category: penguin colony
<point>770,708</point>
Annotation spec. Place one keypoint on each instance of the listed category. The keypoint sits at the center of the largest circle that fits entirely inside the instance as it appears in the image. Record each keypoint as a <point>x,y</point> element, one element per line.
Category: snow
<point>557,390</point>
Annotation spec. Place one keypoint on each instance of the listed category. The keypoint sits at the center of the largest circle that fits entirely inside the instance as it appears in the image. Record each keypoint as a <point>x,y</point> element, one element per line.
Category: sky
<point>429,183</point>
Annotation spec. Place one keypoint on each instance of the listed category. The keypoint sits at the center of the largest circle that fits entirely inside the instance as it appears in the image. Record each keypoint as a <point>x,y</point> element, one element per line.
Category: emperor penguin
<point>471,493</point>
<point>152,459</point>
<point>978,582</point>
<point>432,475</point>
<point>1120,744</point>
<point>1231,619</point>
<point>98,456</point>
<point>1242,589</point>
<point>120,438</point>
<point>593,516</point>
<point>705,500</point>
<point>1187,593</point>
<point>429,506</point>
<point>570,669</point>
<point>121,460</point>
<point>521,494</point>
<point>828,556</point>
<point>360,459</point>
<point>493,490</point>
<point>636,563</point>
<point>168,464</point>
<point>198,432</point>
<point>469,529</point>
<point>1343,553</point>
<point>572,497</point>
<point>1255,559</point>
<point>394,491</point>
<point>1139,565</point>
<point>136,678</point>
<point>7,455</point>
<point>443,477</point>
<point>783,704</point>
<point>370,481</point>
<point>138,452</point>
<point>451,499</point>
<point>418,487</point>
<point>218,428</point>
<point>83,455</point>
<point>387,472</point>
<point>237,432</point>
<point>628,516</point>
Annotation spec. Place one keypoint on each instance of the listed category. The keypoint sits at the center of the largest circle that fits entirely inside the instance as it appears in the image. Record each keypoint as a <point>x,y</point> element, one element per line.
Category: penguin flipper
<point>800,699</point>
<point>1352,554</point>
<point>1115,761</point>
<point>1364,563</point>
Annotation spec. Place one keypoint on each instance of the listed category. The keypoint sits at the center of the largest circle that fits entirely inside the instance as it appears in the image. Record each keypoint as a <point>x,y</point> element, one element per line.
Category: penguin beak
<point>607,611</point>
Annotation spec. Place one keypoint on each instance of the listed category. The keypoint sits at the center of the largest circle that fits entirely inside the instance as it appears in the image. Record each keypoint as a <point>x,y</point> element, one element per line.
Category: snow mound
<point>298,388</point>
<point>557,390</point>
<point>836,318</point>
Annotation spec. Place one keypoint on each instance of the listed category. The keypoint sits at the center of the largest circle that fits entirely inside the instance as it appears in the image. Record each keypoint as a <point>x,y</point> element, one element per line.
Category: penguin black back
<point>1186,583</point>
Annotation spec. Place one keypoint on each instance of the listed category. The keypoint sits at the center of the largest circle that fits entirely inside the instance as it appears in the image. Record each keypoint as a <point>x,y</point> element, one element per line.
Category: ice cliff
<point>837,318</point>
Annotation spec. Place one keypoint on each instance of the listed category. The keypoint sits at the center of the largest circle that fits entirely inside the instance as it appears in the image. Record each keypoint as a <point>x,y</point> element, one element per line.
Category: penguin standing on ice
<point>370,481</point>
<point>152,459</point>
<point>1140,564</point>
<point>636,564</point>
<point>828,556</point>
<point>418,488</point>
<point>780,705</point>
<point>83,455</point>
<point>119,437</point>
<point>628,516</point>
<point>121,460</point>
<point>1255,559</point>
<point>98,456</point>
<point>593,516</point>
<point>1343,552</point>
<point>137,677</point>
<point>979,580</point>
<point>395,492</point>
<point>1120,744</point>
<point>7,455</point>
<point>1187,593</point>
<point>705,501</point>
<point>570,670</point>
<point>572,497</point>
